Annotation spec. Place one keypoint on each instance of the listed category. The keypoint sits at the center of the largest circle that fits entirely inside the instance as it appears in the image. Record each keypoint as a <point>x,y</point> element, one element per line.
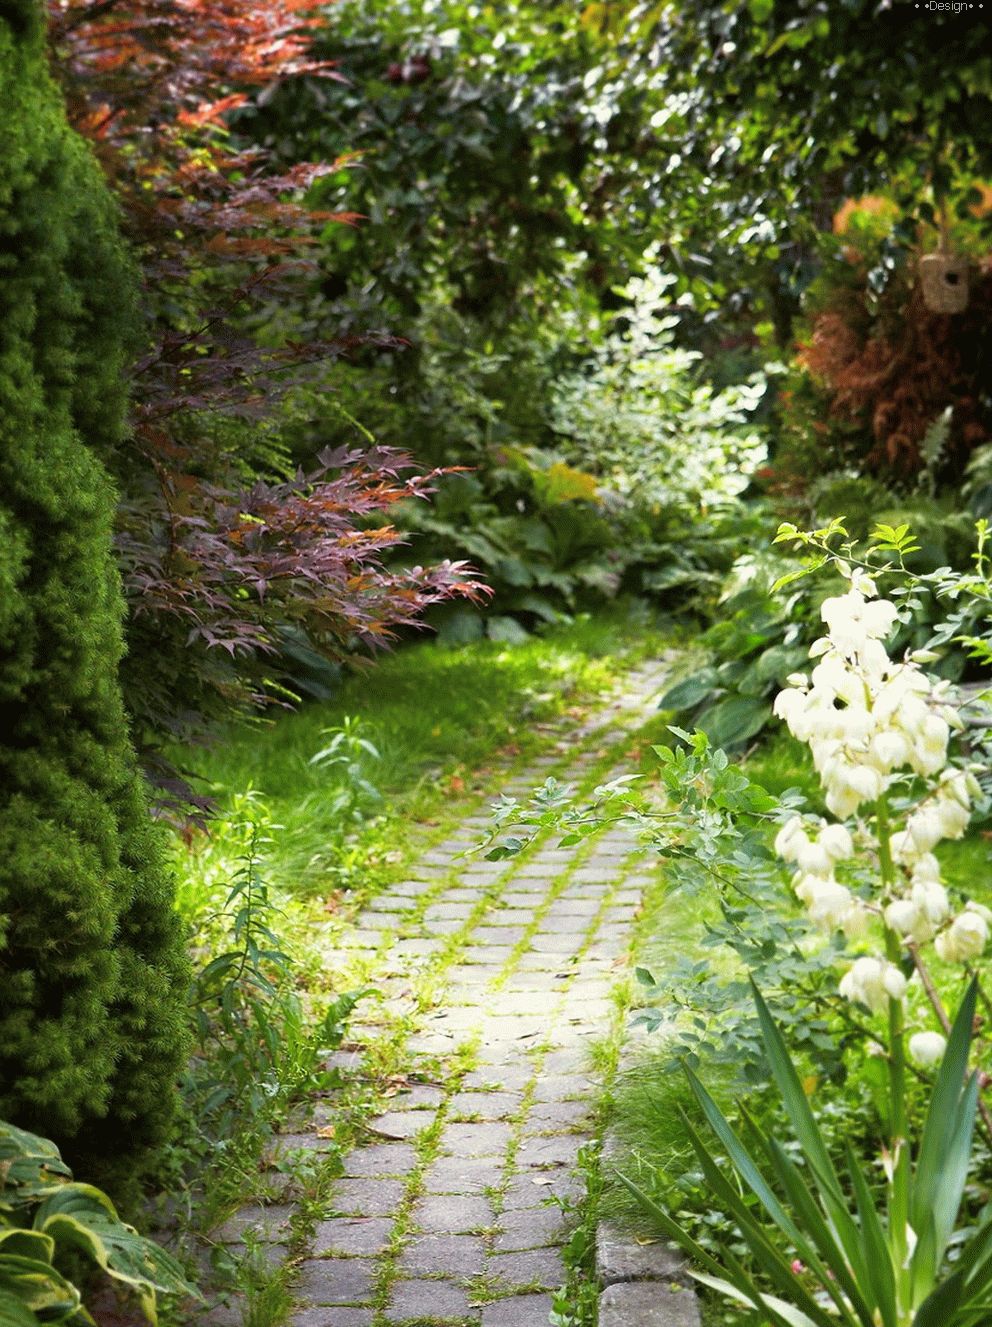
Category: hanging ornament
<point>944,276</point>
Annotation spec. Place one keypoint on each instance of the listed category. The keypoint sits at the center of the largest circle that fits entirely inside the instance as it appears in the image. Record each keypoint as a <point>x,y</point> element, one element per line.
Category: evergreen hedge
<point>92,962</point>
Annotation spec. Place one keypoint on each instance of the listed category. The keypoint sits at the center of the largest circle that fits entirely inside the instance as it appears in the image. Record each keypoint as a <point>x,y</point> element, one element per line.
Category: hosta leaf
<point>15,1313</point>
<point>37,1285</point>
<point>730,722</point>
<point>690,691</point>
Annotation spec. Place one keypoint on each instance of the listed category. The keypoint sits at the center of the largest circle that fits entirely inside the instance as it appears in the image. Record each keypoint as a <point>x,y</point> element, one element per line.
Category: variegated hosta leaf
<point>38,1288</point>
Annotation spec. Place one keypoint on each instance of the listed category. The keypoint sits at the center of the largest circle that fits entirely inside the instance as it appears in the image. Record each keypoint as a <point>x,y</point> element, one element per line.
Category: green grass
<point>437,715</point>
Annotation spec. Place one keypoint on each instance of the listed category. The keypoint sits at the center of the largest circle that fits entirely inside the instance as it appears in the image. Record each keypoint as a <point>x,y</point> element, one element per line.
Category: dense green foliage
<point>92,968</point>
<point>51,1225</point>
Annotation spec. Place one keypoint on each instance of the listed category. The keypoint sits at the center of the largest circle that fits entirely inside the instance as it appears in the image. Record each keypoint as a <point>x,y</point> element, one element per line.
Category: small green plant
<point>576,1302</point>
<point>345,758</point>
<point>829,1248</point>
<point>258,1046</point>
<point>50,1226</point>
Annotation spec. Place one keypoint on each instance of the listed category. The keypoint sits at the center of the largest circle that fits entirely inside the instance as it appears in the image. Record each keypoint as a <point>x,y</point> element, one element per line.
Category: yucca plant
<point>864,1262</point>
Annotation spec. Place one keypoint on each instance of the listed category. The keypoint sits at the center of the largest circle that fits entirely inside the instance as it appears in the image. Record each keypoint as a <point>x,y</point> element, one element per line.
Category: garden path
<point>500,978</point>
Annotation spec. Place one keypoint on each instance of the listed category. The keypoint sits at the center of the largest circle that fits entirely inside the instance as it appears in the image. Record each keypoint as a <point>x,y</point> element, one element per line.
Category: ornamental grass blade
<point>742,1160</point>
<point>794,1099</point>
<point>941,1306</point>
<point>975,1259</point>
<point>943,1133</point>
<point>954,1171</point>
<point>833,1271</point>
<point>808,1134</point>
<point>878,1257</point>
<point>782,1314</point>
<point>765,1253</point>
<point>670,1227</point>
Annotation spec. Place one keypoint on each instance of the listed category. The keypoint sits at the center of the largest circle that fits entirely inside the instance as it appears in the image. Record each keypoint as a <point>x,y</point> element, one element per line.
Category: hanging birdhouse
<point>944,281</point>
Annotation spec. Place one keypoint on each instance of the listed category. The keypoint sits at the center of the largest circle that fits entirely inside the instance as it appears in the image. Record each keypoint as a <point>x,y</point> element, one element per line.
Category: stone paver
<point>534,1267</point>
<point>518,1311</point>
<point>332,1317</point>
<point>433,1255</point>
<point>519,959</point>
<point>352,1235</point>
<point>529,1228</point>
<point>433,1300</point>
<point>450,1214</point>
<point>336,1280</point>
<point>647,1304</point>
<point>363,1197</point>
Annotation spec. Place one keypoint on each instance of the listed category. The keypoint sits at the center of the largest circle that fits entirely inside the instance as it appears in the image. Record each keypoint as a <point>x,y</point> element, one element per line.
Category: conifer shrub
<point>92,960</point>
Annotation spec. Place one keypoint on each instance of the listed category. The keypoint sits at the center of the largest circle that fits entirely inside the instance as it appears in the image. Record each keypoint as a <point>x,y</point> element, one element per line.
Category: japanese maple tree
<point>224,545</point>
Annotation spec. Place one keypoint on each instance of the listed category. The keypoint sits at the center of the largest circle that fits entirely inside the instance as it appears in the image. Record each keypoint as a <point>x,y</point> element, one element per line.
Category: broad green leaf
<point>730,722</point>
<point>14,1312</point>
<point>690,691</point>
<point>39,1286</point>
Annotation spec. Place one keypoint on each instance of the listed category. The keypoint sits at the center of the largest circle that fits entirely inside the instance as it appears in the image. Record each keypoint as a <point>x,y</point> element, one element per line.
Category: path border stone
<point>642,1285</point>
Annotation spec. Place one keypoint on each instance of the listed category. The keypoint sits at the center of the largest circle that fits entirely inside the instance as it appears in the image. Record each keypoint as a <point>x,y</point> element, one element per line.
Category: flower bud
<point>872,982</point>
<point>888,750</point>
<point>964,939</point>
<point>927,1048</point>
<point>814,859</point>
<point>931,899</point>
<point>829,903</point>
<point>790,839</point>
<point>836,840</point>
<point>902,916</point>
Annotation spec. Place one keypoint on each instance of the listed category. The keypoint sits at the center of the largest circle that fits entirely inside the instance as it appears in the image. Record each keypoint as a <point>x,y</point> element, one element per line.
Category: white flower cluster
<point>867,719</point>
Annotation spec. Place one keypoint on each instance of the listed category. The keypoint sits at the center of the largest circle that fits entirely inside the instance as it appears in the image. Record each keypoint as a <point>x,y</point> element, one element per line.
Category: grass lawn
<point>436,715</point>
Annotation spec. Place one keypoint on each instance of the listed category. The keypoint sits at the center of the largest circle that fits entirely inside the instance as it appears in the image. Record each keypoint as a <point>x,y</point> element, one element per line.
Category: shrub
<point>92,970</point>
<point>877,369</point>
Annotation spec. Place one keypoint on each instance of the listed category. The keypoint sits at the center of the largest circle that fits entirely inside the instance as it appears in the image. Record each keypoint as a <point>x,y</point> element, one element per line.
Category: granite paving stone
<point>332,1317</point>
<point>530,1228</point>
<point>381,1159</point>
<point>518,1311</point>
<point>453,1214</point>
<point>336,1280</point>
<point>343,1234</point>
<point>402,1123</point>
<point>535,1267</point>
<point>647,1304</point>
<point>476,1140</point>
<point>484,1105</point>
<point>418,1097</point>
<point>466,1175</point>
<point>433,1300</point>
<point>367,1197</point>
<point>456,1255</point>
<point>536,1189</point>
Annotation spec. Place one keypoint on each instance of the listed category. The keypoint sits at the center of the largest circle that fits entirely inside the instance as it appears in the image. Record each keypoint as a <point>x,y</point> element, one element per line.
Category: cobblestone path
<point>499,977</point>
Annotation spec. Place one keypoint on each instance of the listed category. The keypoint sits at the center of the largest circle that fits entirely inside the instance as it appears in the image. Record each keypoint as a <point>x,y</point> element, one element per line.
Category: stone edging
<point>643,1285</point>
